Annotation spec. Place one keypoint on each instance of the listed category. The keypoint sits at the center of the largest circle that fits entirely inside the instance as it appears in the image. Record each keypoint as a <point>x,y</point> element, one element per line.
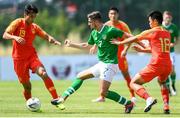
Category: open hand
<point>137,48</point>
<point>20,40</point>
<point>67,43</point>
<point>54,41</point>
<point>123,53</point>
<point>115,41</point>
<point>172,44</point>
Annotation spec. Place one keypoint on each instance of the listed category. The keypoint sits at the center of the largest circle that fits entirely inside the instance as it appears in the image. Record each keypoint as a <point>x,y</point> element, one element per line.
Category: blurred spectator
<point>71,9</point>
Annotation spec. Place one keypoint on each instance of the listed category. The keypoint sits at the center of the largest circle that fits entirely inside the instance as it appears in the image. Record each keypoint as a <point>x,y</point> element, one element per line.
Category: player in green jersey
<point>172,28</point>
<point>107,66</point>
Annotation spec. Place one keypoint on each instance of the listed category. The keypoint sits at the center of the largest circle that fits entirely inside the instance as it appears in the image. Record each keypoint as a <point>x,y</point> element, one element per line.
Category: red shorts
<point>152,71</point>
<point>22,67</point>
<point>123,64</point>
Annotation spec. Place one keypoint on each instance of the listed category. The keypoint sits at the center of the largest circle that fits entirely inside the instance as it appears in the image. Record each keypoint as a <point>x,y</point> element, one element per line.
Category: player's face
<point>167,18</point>
<point>152,23</point>
<point>113,15</point>
<point>30,17</point>
<point>91,23</point>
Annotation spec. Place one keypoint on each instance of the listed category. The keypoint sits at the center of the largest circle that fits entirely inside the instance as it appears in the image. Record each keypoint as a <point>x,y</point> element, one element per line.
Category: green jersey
<point>174,33</point>
<point>107,52</point>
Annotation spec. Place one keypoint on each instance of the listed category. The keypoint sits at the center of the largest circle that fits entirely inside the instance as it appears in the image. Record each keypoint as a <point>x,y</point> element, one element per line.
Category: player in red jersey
<point>22,32</point>
<point>160,65</point>
<point>122,61</point>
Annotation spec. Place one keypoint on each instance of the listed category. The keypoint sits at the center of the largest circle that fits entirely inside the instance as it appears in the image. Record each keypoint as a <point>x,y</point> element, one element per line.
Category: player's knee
<point>79,75</point>
<point>42,72</point>
<point>125,73</point>
<point>162,83</point>
<point>84,75</point>
<point>131,84</point>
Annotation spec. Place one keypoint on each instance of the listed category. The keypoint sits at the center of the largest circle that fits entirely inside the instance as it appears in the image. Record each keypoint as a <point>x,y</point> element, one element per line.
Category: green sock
<point>173,78</point>
<point>117,98</point>
<point>76,85</point>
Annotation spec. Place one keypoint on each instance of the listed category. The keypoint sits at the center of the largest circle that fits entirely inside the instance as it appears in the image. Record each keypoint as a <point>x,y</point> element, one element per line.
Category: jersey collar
<point>101,29</point>
<point>166,26</point>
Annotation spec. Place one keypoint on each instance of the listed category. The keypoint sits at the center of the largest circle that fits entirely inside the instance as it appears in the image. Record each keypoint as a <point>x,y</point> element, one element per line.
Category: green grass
<point>12,103</point>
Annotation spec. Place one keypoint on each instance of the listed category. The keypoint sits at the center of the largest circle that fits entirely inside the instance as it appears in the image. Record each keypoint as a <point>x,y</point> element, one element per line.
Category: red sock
<point>165,94</point>
<point>27,95</point>
<point>142,93</point>
<point>50,86</point>
<point>128,80</point>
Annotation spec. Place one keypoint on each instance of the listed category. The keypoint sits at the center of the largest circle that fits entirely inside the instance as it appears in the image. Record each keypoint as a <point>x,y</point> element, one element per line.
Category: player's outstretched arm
<point>141,44</point>
<point>44,35</point>
<point>126,41</point>
<point>52,40</point>
<point>139,48</point>
<point>69,43</point>
<point>124,52</point>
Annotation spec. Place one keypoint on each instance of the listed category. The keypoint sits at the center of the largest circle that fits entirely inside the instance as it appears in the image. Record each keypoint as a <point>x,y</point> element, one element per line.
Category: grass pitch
<point>12,103</point>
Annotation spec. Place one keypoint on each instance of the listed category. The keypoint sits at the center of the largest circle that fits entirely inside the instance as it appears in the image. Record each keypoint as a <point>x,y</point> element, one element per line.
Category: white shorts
<point>172,55</point>
<point>104,71</point>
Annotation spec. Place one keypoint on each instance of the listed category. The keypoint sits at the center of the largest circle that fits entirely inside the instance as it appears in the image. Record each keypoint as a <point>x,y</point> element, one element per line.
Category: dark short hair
<point>95,15</point>
<point>114,9</point>
<point>156,15</point>
<point>30,8</point>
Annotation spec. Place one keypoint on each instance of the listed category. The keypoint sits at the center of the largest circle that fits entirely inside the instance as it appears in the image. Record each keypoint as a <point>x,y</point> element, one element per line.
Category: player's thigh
<point>36,65</point>
<point>165,73</point>
<point>108,71</point>
<point>85,74</point>
<point>93,71</point>
<point>21,68</point>
<point>149,73</point>
<point>123,64</point>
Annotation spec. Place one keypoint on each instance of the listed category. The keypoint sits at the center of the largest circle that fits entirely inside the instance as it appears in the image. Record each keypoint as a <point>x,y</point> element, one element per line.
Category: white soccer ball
<point>33,104</point>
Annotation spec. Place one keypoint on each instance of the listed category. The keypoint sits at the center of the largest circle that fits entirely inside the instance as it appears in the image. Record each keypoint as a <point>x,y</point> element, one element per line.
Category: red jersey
<point>159,40</point>
<point>28,32</point>
<point>123,27</point>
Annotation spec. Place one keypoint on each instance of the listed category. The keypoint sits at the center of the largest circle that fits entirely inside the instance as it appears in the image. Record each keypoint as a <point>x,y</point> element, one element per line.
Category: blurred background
<point>67,19</point>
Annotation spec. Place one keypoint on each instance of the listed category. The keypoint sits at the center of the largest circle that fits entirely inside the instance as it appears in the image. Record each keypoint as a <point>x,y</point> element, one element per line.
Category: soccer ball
<point>33,104</point>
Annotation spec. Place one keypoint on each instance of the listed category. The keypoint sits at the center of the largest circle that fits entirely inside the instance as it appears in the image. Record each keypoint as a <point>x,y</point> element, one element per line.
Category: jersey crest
<point>33,31</point>
<point>104,37</point>
<point>171,31</point>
